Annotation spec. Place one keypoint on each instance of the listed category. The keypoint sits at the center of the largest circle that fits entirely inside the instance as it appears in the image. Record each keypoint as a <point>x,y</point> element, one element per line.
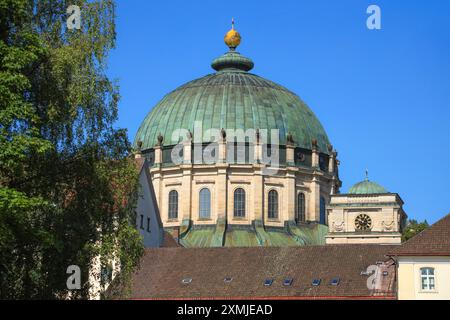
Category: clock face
<point>363,222</point>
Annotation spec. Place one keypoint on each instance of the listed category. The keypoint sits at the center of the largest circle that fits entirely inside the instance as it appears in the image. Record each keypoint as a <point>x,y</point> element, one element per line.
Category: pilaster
<point>258,193</point>
<point>314,201</point>
<point>332,162</point>
<point>315,154</point>
<point>222,158</point>
<point>187,150</point>
<point>290,155</point>
<point>221,192</point>
<point>158,155</point>
<point>291,196</point>
<point>185,195</point>
<point>258,156</point>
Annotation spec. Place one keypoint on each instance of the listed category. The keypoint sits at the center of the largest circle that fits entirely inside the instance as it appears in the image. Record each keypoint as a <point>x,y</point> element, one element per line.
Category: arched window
<point>300,208</point>
<point>205,204</point>
<point>322,210</point>
<point>273,204</point>
<point>427,279</point>
<point>239,203</point>
<point>173,204</point>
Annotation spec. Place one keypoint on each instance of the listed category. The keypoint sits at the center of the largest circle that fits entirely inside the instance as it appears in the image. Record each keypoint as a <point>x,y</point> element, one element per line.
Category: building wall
<point>147,209</point>
<point>409,282</point>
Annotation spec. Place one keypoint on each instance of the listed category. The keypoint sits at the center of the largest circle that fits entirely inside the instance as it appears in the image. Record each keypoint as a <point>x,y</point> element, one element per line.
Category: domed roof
<point>367,187</point>
<point>232,98</point>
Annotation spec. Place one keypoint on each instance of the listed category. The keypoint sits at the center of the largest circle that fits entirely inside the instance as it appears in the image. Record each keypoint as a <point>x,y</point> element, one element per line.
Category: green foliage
<point>67,186</point>
<point>413,228</point>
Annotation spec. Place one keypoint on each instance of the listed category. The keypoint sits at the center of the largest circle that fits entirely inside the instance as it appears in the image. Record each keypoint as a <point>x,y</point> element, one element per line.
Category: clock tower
<point>368,213</point>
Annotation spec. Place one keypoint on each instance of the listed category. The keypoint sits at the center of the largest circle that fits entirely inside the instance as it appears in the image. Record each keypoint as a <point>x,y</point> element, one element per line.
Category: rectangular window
<point>148,225</point>
<point>273,204</point>
<point>205,204</point>
<point>142,221</point>
<point>173,205</point>
<point>427,279</point>
<point>239,203</point>
<point>300,217</point>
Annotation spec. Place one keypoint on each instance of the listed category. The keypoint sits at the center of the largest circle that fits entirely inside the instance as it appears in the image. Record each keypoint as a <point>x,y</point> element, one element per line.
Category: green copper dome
<point>232,99</point>
<point>367,187</point>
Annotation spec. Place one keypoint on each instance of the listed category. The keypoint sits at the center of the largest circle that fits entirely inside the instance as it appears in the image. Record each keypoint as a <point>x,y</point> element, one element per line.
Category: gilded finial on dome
<point>232,38</point>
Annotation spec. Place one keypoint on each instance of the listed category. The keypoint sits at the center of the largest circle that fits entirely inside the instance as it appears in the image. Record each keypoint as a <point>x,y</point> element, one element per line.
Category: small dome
<point>367,187</point>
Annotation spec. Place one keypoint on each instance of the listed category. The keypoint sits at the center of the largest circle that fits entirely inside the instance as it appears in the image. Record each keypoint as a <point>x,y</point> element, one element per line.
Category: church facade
<point>238,160</point>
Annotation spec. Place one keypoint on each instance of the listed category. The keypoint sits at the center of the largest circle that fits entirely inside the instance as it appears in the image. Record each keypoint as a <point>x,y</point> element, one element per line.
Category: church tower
<point>368,213</point>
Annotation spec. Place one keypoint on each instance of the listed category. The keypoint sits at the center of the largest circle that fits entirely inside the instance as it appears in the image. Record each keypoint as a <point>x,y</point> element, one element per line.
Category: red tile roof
<point>162,271</point>
<point>169,241</point>
<point>433,241</point>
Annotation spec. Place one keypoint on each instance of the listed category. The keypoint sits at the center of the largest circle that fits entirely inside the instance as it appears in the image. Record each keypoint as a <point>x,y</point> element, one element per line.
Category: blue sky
<point>382,95</point>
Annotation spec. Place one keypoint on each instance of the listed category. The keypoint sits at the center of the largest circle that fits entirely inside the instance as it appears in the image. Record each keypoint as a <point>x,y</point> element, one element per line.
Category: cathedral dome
<point>233,98</point>
<point>234,194</point>
<point>367,187</point>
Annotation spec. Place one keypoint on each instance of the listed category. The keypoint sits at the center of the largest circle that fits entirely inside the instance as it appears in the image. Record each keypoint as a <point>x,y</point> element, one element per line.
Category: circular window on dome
<point>301,157</point>
<point>363,222</point>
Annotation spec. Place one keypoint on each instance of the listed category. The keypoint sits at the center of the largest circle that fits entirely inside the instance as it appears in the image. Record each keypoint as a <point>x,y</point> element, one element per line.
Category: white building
<point>148,220</point>
<point>423,264</point>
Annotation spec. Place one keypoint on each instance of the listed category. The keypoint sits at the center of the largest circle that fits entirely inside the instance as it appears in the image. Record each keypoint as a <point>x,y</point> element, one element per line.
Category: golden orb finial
<point>232,38</point>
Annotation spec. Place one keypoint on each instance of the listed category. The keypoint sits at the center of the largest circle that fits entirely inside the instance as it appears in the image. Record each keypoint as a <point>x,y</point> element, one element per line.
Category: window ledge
<point>428,291</point>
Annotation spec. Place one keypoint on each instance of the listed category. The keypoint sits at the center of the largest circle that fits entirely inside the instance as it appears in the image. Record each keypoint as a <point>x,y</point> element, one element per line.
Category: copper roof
<point>433,241</point>
<point>163,270</point>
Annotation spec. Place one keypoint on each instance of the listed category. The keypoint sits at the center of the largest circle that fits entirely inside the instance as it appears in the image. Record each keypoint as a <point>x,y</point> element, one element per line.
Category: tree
<point>61,159</point>
<point>413,228</point>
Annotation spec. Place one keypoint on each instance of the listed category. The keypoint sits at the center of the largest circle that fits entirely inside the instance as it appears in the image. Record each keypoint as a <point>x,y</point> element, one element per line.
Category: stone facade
<point>223,178</point>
